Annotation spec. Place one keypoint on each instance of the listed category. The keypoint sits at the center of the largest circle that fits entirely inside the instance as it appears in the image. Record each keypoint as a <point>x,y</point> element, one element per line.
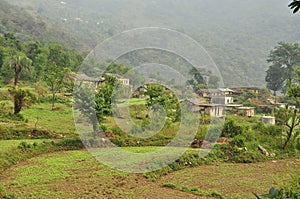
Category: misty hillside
<point>28,26</point>
<point>237,34</point>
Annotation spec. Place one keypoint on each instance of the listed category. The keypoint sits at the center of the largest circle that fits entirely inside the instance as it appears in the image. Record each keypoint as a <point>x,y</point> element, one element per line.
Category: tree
<point>287,57</point>
<point>54,77</point>
<point>104,95</point>
<point>84,102</point>
<point>295,5</point>
<point>290,118</point>
<point>22,97</point>
<point>294,89</point>
<point>100,104</point>
<point>18,61</point>
<point>275,78</point>
<point>159,95</point>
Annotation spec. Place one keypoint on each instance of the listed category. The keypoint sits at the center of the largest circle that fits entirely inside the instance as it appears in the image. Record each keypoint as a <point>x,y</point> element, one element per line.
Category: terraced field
<point>76,174</point>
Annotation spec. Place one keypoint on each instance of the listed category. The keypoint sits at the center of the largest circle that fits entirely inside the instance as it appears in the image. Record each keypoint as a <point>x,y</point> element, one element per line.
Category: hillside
<point>237,34</point>
<point>28,26</point>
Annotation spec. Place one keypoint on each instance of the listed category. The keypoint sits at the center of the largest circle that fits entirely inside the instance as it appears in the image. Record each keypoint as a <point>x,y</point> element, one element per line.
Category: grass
<point>132,101</point>
<point>195,191</point>
<point>76,174</point>
<point>7,145</point>
<point>60,120</point>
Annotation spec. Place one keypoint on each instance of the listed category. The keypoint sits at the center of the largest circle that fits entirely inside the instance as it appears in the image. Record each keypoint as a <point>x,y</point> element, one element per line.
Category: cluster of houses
<point>211,102</point>
<point>97,82</point>
<point>214,102</point>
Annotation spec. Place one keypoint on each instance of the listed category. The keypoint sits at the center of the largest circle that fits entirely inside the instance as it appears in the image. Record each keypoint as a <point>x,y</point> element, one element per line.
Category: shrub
<point>238,141</point>
<point>230,129</point>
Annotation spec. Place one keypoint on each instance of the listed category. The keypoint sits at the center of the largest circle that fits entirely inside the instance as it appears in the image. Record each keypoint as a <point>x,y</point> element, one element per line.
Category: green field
<point>77,173</point>
<point>61,120</point>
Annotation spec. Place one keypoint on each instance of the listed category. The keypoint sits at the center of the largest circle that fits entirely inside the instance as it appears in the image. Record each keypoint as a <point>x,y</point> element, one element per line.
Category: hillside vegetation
<point>237,34</point>
<point>28,26</point>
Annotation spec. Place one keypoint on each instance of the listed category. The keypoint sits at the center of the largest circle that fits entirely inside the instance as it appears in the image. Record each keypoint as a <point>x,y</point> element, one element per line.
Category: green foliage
<point>231,129</point>
<point>22,98</point>
<point>283,58</point>
<point>238,141</point>
<point>276,78</point>
<point>161,96</point>
<point>294,88</point>
<point>289,119</point>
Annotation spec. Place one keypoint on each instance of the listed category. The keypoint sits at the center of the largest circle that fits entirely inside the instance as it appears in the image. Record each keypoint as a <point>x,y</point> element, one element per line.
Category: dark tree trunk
<point>17,74</point>
<point>17,105</point>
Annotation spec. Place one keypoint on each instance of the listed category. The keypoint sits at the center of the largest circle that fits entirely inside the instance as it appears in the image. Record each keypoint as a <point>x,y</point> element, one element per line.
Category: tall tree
<point>287,57</point>
<point>100,105</point>
<point>275,78</point>
<point>54,77</point>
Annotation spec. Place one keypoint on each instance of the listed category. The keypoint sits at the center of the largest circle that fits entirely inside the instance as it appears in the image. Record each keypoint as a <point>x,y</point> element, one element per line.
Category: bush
<point>230,129</point>
<point>238,141</point>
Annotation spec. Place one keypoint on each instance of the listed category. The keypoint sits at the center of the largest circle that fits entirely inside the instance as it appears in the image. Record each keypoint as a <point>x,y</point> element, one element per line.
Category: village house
<point>213,110</point>
<point>124,81</point>
<point>217,96</point>
<point>247,89</point>
<point>246,111</point>
<point>96,82</point>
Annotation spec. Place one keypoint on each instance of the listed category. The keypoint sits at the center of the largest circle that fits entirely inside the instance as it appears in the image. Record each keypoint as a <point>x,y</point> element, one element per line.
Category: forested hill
<point>237,34</point>
<point>27,26</point>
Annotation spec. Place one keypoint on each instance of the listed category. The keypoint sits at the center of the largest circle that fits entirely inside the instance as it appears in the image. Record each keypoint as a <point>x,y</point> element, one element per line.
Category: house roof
<point>198,102</point>
<point>84,77</point>
<point>246,108</point>
<point>226,90</point>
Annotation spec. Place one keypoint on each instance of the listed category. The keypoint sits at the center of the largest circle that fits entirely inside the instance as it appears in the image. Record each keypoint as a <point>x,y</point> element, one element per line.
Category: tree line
<point>26,63</point>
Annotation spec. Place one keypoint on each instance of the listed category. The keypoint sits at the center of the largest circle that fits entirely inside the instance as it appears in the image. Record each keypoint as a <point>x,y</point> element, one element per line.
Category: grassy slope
<point>60,121</point>
<point>77,175</point>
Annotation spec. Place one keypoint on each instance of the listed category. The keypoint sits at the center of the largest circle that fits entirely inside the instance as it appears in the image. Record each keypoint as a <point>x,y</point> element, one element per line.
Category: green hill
<point>29,26</point>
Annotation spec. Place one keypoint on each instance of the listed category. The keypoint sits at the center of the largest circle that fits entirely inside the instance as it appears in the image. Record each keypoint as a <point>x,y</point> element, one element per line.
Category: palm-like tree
<point>18,61</point>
